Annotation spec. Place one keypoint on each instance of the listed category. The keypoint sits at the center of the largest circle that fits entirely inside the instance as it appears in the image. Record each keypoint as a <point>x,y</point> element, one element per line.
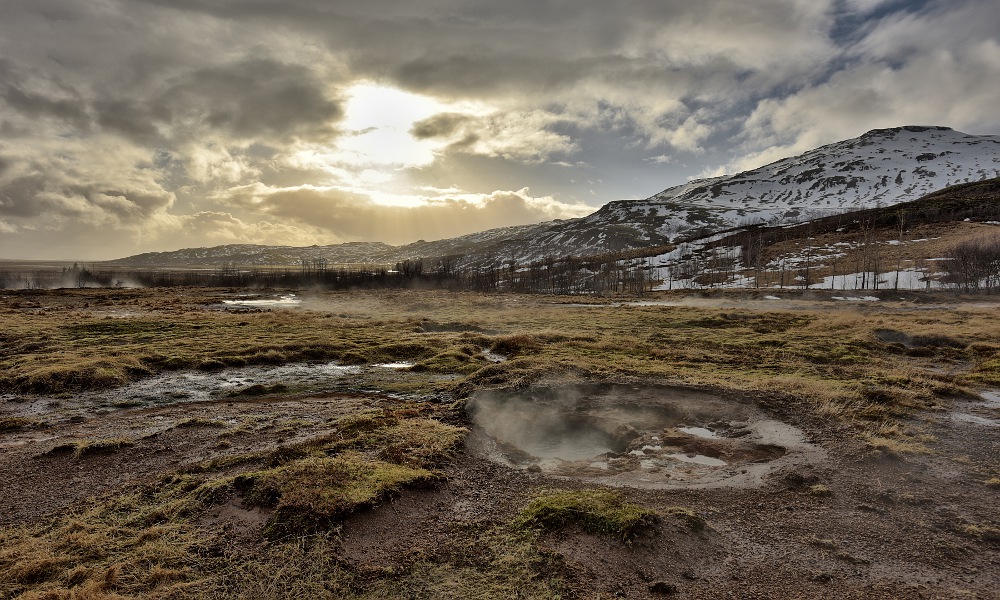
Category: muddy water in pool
<point>658,437</point>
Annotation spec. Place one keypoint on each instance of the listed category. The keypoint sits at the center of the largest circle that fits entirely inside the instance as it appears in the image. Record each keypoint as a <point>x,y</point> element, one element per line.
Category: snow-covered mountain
<point>881,167</point>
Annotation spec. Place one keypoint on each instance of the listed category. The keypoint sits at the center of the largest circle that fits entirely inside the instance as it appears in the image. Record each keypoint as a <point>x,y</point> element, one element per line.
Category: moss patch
<point>595,511</point>
<point>311,494</point>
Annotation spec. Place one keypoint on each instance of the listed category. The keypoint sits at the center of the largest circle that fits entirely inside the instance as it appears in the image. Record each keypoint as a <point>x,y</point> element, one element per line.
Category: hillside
<point>848,250</point>
<point>880,168</point>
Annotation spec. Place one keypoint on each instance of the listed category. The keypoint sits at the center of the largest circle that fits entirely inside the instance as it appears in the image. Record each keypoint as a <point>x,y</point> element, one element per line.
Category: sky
<point>129,126</point>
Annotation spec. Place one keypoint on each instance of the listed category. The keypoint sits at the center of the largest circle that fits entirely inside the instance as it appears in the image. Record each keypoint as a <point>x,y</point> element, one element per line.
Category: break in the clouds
<point>138,125</point>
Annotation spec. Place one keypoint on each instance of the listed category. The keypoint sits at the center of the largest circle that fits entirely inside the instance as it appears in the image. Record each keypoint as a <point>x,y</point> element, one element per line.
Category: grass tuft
<point>595,511</point>
<point>986,533</point>
<point>820,490</point>
<point>312,494</point>
<point>18,424</point>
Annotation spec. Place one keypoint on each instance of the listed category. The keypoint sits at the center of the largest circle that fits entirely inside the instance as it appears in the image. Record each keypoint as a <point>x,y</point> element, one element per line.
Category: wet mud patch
<point>983,411</point>
<point>661,561</point>
<point>647,437</point>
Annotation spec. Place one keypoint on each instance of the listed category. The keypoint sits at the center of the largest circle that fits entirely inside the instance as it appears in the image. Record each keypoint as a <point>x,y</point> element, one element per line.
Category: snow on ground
<point>904,279</point>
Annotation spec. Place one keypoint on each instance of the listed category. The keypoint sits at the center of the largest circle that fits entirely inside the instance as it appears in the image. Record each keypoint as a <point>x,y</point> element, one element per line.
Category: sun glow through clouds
<point>379,145</point>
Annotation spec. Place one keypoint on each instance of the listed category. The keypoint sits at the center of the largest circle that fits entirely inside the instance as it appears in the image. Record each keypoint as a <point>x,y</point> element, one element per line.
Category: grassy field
<point>865,367</point>
<point>861,363</point>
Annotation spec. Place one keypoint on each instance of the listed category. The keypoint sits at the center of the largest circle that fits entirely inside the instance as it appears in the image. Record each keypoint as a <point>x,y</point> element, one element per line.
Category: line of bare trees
<point>605,275</point>
<point>974,265</point>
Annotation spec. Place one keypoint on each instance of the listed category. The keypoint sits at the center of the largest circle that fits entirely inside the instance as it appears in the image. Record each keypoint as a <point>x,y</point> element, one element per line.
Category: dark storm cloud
<point>131,119</point>
<point>21,197</point>
<point>439,125</point>
<point>57,101</point>
<point>35,196</point>
<point>255,99</point>
<point>249,99</point>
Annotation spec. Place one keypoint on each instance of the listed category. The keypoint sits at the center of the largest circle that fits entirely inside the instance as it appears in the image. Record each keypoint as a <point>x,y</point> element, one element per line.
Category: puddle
<point>698,431</point>
<point>395,365</point>
<point>653,437</point>
<point>984,412</point>
<point>285,301</point>
<point>974,419</point>
<point>698,459</point>
<point>493,357</point>
<point>991,399</point>
<point>190,386</point>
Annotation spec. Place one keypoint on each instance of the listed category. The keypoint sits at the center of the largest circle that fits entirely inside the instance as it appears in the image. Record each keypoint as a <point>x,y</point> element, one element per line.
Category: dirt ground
<point>856,523</point>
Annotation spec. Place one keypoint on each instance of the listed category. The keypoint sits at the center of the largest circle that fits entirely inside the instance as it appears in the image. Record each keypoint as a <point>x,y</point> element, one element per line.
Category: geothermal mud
<point>649,437</point>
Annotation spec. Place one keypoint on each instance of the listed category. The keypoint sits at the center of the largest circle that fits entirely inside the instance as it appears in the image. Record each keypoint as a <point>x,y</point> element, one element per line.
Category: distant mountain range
<point>880,168</point>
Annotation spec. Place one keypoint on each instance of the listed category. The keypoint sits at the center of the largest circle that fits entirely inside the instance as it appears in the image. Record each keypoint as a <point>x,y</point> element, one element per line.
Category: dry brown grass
<point>829,355</point>
<point>147,540</point>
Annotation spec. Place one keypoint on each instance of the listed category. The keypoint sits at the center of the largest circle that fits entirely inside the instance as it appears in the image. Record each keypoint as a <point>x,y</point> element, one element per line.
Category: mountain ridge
<point>880,167</point>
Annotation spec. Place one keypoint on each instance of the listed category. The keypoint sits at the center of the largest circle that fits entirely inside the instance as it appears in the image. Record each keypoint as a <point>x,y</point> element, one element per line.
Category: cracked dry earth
<point>848,522</point>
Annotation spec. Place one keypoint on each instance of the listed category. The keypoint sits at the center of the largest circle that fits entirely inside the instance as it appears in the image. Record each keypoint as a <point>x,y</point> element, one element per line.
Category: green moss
<point>311,494</point>
<point>595,511</point>
<point>450,361</point>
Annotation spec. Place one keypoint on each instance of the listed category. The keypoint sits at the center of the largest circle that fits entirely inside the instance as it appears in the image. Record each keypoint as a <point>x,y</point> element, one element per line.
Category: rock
<point>662,587</point>
<point>821,576</point>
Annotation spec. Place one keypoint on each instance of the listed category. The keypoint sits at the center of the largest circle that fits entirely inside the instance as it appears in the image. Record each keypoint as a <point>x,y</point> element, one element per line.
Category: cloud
<point>217,228</point>
<point>123,120</point>
<point>442,125</point>
<point>349,216</point>
<point>909,69</point>
<point>519,136</point>
<point>253,98</point>
<point>65,180</point>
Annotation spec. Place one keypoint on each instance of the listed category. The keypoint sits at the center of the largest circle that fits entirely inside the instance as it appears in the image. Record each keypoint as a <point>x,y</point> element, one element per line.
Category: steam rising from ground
<point>637,436</point>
